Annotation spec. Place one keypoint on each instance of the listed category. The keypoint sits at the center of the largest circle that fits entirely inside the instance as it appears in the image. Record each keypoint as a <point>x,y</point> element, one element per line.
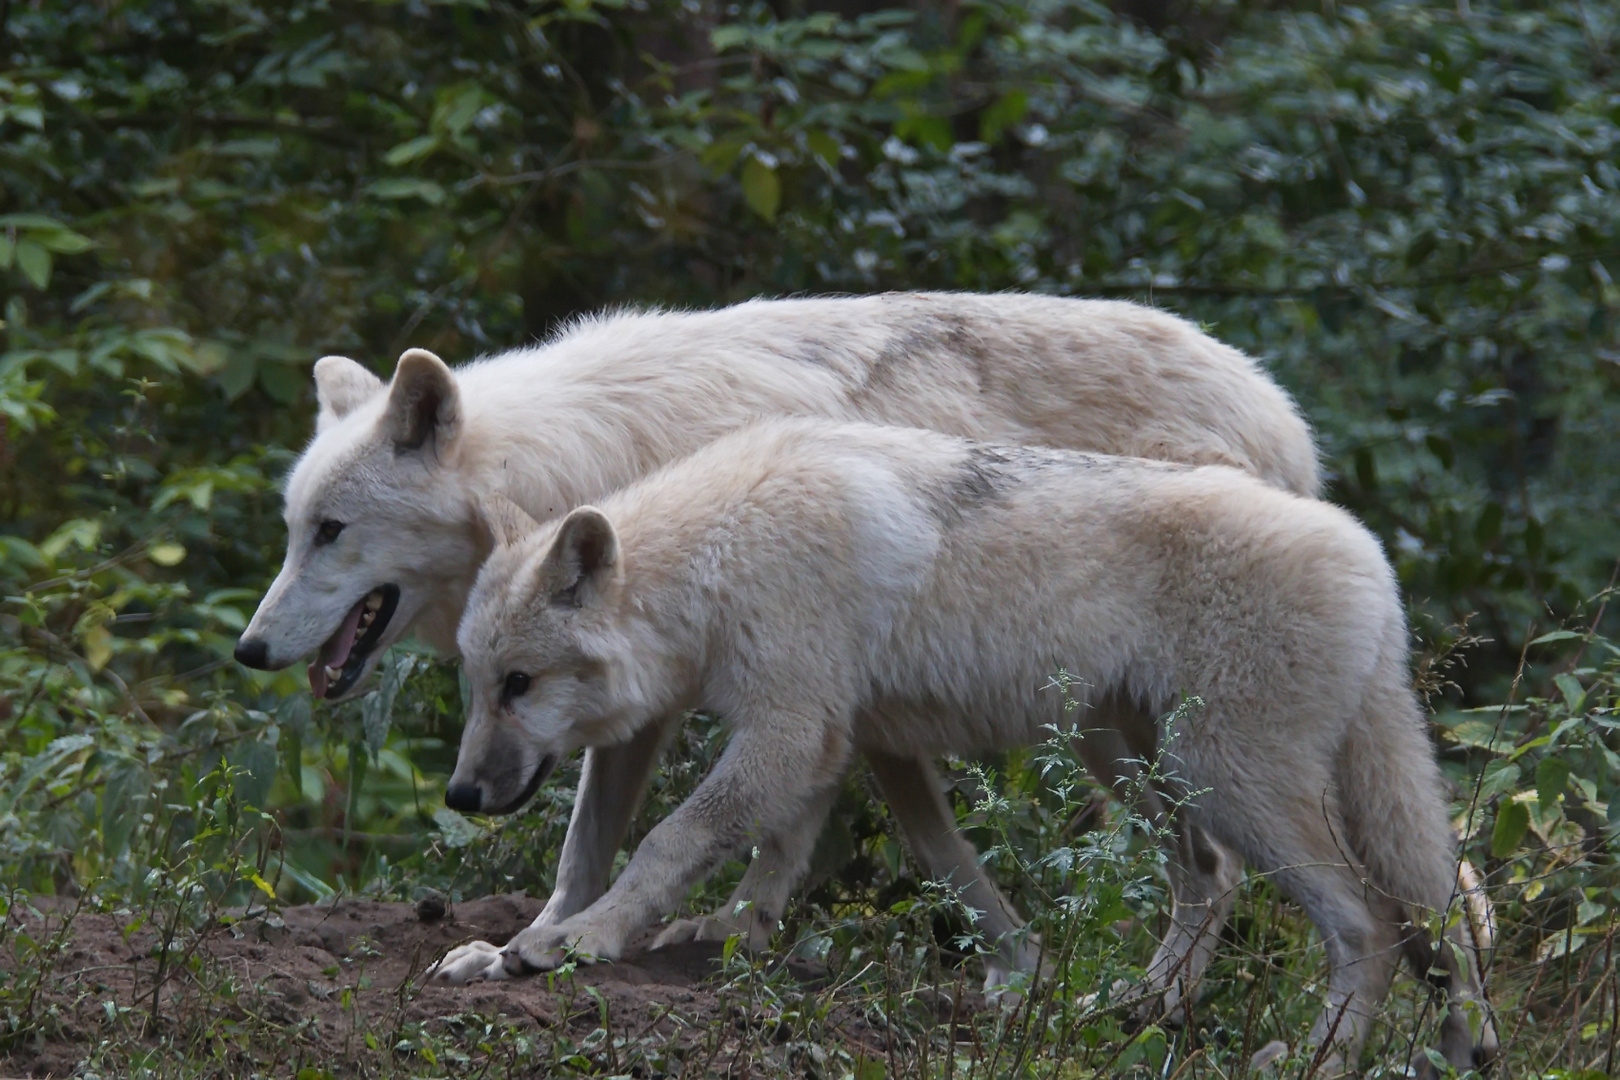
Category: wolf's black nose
<point>253,653</point>
<point>464,797</point>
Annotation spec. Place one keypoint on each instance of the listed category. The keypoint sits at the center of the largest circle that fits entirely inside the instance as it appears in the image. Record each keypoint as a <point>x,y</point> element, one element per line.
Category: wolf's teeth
<point>334,673</point>
<point>374,601</point>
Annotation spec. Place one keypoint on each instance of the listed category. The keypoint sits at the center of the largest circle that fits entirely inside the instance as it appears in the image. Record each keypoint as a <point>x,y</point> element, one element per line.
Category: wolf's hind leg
<point>1203,875</point>
<point>916,795</point>
<point>1292,834</point>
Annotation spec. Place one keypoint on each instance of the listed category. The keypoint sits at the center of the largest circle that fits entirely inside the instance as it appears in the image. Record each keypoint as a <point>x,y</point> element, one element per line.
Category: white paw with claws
<point>537,948</point>
<point>475,961</point>
<point>543,948</point>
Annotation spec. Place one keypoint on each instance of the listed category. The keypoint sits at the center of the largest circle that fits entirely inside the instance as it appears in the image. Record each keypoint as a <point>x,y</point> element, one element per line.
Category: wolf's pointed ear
<point>341,386</point>
<point>505,521</point>
<point>581,558</point>
<point>424,405</point>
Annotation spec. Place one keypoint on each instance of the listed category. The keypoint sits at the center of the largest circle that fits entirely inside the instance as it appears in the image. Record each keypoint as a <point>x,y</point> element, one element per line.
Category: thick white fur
<point>406,465</point>
<point>614,397</point>
<point>833,589</point>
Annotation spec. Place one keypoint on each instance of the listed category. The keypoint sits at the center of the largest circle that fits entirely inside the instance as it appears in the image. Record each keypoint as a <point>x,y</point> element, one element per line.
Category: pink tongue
<point>336,650</point>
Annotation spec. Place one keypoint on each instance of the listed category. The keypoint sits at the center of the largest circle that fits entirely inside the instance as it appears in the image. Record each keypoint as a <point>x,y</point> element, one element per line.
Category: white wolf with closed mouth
<point>831,589</point>
<point>384,535</point>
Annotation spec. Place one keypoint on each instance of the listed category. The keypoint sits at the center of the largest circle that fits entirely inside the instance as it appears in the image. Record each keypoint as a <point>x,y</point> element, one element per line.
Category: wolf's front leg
<point>755,908</point>
<point>612,782</point>
<point>611,785</point>
<point>769,774</point>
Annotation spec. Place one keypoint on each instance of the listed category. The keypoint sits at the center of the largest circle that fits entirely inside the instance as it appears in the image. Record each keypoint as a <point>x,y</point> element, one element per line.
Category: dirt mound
<point>336,979</point>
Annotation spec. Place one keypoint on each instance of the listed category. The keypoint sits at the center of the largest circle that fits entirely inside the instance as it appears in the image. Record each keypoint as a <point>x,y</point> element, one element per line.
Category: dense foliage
<point>1409,210</point>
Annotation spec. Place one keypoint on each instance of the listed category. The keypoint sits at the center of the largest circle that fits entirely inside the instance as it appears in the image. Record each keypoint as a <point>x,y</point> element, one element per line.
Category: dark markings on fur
<point>900,351</point>
<point>961,340</point>
<point>986,474</point>
<point>817,354</point>
<point>944,338</point>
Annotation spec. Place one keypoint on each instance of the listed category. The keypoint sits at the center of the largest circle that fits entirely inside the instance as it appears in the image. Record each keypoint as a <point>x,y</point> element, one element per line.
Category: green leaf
<point>83,533</point>
<point>869,1068</point>
<point>458,831</point>
<point>123,799</point>
<point>1574,693</point>
<point>377,710</point>
<point>292,756</point>
<point>1002,114</point>
<point>250,148</point>
<point>402,188</point>
<point>1486,734</point>
<point>166,553</point>
<point>730,36</point>
<point>257,759</point>
<point>1512,821</point>
<point>761,188</point>
<point>406,152</point>
<point>64,241</point>
<point>1552,776</point>
<point>295,714</point>
<point>237,374</point>
<point>282,382</point>
<point>35,263</point>
<point>1499,778</point>
<point>322,891</point>
<point>29,221</point>
<point>357,780</point>
<point>1557,635</point>
<point>825,146</point>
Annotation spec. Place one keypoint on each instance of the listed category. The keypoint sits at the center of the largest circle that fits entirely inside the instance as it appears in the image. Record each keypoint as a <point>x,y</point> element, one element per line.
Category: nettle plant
<point>1543,806</point>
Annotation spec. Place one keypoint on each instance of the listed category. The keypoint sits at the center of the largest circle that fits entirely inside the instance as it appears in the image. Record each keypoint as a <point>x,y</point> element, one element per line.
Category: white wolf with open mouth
<point>384,533</point>
<point>833,589</point>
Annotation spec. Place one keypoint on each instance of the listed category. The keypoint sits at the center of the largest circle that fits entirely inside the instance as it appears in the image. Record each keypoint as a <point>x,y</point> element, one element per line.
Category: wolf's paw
<point>1139,1004</point>
<point>1268,1055</point>
<point>742,920</point>
<point>714,927</point>
<point>472,962</point>
<point>1006,979</point>
<point>682,931</point>
<point>544,948</point>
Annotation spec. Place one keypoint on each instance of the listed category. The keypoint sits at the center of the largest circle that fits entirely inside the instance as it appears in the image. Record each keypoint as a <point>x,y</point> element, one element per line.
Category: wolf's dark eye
<point>515,686</point>
<point>328,532</point>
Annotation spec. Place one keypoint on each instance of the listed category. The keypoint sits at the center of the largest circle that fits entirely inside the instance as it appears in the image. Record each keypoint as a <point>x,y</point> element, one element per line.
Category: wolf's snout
<point>253,653</point>
<point>464,797</point>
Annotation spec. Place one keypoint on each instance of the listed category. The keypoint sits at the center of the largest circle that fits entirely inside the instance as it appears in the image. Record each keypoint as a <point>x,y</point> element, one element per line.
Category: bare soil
<point>326,975</point>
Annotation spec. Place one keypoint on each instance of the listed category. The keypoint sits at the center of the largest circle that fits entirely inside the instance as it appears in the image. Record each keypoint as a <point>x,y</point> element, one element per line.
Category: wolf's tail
<point>1391,794</point>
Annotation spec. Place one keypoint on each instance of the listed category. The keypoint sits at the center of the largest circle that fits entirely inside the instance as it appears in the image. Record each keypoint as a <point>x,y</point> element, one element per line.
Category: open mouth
<point>547,763</point>
<point>343,657</point>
